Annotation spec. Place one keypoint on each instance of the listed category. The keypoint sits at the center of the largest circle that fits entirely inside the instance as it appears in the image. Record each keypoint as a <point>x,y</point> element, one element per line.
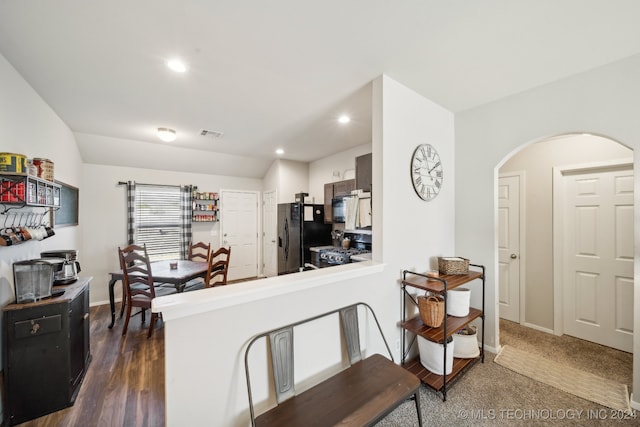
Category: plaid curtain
<point>131,212</point>
<point>186,204</point>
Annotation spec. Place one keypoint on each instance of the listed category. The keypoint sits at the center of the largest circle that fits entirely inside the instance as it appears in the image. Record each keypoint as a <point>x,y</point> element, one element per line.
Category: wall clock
<point>426,171</point>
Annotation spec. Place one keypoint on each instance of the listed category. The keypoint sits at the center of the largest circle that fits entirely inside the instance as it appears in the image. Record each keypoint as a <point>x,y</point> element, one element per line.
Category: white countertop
<point>186,304</point>
<point>321,248</point>
<point>361,257</point>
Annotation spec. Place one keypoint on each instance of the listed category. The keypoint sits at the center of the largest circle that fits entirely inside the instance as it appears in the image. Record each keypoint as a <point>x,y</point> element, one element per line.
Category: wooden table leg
<point>112,302</point>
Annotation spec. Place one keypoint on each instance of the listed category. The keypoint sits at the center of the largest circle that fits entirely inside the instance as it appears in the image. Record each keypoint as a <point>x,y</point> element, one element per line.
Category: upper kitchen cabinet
<point>343,188</point>
<point>363,172</point>
<point>333,190</point>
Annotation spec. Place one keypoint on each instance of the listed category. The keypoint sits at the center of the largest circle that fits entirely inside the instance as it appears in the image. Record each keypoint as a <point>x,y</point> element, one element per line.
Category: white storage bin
<point>432,355</point>
<point>458,302</point>
<point>466,346</point>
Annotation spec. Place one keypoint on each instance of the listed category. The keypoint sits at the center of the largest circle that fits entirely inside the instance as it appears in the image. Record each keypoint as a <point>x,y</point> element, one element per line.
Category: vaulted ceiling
<point>277,74</point>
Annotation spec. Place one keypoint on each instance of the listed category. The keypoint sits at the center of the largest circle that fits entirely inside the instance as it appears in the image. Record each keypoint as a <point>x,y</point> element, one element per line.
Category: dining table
<point>162,273</point>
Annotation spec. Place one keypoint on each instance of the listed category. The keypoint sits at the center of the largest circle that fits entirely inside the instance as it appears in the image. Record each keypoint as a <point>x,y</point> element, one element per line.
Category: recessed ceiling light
<point>166,134</point>
<point>177,65</point>
<point>344,119</point>
<point>279,151</point>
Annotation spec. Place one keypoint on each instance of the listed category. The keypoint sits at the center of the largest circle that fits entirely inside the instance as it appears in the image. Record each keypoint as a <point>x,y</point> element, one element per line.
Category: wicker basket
<point>453,265</point>
<point>431,310</point>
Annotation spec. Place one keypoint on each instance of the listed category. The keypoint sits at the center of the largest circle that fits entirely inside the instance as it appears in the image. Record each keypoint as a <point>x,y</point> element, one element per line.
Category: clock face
<point>426,171</point>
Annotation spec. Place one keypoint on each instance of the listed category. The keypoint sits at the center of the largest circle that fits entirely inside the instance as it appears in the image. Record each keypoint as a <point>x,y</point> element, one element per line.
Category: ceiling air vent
<point>213,133</point>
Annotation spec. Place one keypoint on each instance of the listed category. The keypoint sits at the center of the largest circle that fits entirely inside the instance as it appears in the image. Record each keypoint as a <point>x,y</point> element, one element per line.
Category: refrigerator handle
<point>286,238</point>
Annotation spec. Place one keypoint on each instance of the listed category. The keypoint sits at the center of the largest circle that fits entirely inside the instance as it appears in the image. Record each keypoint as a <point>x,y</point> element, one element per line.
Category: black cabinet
<point>364,172</point>
<point>335,190</point>
<point>46,352</point>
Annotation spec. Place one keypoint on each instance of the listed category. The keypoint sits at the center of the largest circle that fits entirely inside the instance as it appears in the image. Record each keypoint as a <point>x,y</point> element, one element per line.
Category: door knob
<point>514,256</point>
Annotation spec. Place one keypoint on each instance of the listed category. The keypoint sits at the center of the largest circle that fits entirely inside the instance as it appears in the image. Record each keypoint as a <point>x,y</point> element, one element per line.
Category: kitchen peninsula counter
<point>187,304</point>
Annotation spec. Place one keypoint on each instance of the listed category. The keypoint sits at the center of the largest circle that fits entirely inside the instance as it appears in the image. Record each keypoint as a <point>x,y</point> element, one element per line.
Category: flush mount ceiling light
<point>344,119</point>
<point>177,66</point>
<point>166,134</point>
<point>279,151</point>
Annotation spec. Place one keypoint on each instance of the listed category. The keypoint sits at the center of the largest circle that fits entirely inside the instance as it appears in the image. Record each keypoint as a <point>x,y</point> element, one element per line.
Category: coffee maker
<point>66,265</point>
<point>33,280</point>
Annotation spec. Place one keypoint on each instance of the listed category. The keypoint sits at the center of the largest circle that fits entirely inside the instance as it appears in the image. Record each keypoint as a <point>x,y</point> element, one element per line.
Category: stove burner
<point>340,256</point>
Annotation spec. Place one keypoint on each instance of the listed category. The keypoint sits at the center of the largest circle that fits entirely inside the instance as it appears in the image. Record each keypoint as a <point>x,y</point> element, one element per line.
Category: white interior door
<point>269,234</point>
<point>239,228</point>
<point>598,256</point>
<point>509,247</point>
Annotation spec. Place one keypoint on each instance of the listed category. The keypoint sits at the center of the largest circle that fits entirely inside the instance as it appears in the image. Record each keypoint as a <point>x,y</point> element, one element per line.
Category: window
<point>158,219</point>
<point>159,216</point>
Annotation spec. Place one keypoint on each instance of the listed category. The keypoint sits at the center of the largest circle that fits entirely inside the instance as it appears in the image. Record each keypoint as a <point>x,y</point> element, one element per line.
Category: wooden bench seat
<point>360,395</point>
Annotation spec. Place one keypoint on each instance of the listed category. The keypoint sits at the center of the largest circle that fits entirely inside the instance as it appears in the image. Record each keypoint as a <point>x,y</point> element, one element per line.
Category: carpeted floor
<point>595,388</point>
<point>491,395</point>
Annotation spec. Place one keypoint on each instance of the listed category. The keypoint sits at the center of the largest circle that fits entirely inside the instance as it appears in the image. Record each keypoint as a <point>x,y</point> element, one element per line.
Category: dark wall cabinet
<point>364,172</point>
<point>336,189</point>
<point>46,352</point>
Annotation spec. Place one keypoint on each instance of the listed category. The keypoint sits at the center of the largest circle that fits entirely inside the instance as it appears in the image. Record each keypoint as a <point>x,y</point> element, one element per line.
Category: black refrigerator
<point>300,227</point>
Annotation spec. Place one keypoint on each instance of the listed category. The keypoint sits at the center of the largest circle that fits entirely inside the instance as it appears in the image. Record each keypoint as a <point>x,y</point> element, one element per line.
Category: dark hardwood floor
<point>124,385</point>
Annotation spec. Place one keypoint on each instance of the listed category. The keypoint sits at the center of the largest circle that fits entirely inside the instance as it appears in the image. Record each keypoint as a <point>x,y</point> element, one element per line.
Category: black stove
<point>336,255</point>
<point>360,243</point>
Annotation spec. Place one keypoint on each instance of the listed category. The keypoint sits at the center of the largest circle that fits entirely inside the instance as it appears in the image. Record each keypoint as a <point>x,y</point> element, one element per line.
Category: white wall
<point>537,161</point>
<point>322,171</point>
<point>604,101</point>
<point>288,178</point>
<point>28,126</point>
<point>413,232</point>
<point>103,215</point>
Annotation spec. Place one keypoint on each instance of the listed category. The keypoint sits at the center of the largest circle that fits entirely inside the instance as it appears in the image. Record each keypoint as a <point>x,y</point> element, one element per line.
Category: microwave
<point>339,206</point>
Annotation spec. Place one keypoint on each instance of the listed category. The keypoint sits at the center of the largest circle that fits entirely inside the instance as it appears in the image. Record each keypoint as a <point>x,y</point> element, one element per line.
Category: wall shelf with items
<point>440,285</point>
<point>20,190</point>
<point>25,204</point>
<point>205,206</point>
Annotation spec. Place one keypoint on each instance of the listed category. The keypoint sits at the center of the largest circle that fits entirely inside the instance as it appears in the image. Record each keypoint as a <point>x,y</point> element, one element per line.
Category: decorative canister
<point>458,301</point>
<point>13,163</point>
<point>466,343</point>
<point>45,168</point>
<point>12,192</point>
<point>31,168</point>
<point>432,355</point>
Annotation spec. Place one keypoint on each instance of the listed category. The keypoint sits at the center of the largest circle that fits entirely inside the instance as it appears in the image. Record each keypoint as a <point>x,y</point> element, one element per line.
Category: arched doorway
<point>534,294</point>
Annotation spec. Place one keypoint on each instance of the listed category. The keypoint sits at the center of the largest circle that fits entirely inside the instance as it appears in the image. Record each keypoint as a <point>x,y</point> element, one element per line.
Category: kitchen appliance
<point>337,256</point>
<point>358,244</point>
<point>32,279</point>
<point>66,265</point>
<point>336,235</point>
<point>300,227</point>
<point>339,206</point>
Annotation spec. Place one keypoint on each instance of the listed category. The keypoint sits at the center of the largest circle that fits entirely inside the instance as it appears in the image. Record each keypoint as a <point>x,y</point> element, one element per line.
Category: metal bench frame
<point>282,354</point>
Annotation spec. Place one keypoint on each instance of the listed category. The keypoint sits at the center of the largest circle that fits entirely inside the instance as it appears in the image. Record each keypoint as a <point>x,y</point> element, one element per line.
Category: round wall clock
<point>426,171</point>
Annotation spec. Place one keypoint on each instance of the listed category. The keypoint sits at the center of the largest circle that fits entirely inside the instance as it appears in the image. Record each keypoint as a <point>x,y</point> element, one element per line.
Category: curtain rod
<point>154,185</point>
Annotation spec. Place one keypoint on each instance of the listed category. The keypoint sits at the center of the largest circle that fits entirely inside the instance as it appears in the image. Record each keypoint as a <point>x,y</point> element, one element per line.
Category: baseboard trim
<point>539,328</point>
<point>492,349</point>
<point>105,302</point>
<point>633,403</point>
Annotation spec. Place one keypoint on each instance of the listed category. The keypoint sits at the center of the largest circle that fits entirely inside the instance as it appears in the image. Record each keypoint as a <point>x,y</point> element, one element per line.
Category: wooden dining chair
<point>199,251</point>
<point>139,285</point>
<point>218,268</point>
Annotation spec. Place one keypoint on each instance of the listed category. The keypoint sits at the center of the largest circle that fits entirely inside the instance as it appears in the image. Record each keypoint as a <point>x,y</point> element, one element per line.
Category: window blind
<point>159,221</point>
